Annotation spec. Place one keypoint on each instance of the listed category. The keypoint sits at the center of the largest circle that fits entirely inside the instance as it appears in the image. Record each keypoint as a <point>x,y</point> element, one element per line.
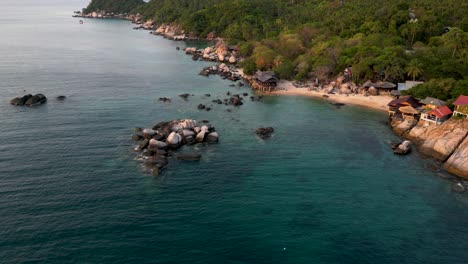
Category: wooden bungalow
<point>461,106</point>
<point>438,115</point>
<point>432,103</point>
<point>383,88</point>
<point>407,100</point>
<point>266,81</point>
<point>408,111</point>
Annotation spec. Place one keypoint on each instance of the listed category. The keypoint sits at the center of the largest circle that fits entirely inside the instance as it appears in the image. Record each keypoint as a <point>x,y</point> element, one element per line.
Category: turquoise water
<point>325,189</point>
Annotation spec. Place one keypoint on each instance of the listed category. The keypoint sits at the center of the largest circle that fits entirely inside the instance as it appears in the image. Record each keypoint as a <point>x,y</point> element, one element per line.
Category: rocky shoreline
<point>161,142</point>
<point>446,143</point>
<point>454,158</point>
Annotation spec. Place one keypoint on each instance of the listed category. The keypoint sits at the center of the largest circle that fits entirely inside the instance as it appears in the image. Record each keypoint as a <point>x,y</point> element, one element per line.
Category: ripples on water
<point>324,189</point>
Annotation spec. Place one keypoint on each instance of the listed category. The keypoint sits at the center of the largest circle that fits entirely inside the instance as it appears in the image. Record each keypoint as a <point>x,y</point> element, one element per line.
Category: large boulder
<point>400,127</point>
<point>37,99</point>
<point>212,137</point>
<point>235,100</point>
<point>201,136</point>
<point>143,145</point>
<point>458,162</point>
<point>404,148</point>
<point>188,124</point>
<point>439,141</point>
<point>373,91</point>
<point>174,139</point>
<point>188,133</point>
<point>264,132</point>
<point>148,133</point>
<point>20,100</point>
<point>154,145</point>
<point>232,59</point>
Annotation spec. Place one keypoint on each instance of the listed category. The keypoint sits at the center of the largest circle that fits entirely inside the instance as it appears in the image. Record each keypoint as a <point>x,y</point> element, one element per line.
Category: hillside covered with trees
<point>392,40</point>
<point>115,6</point>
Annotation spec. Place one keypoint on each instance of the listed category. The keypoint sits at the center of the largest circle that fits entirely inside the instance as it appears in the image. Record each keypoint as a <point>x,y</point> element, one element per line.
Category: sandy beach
<point>374,102</point>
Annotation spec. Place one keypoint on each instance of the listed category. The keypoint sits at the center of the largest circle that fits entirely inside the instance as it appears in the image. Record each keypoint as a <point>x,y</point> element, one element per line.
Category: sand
<point>374,102</point>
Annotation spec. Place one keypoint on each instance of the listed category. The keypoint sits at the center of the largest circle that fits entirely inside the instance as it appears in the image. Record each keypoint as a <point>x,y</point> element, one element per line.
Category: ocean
<point>326,188</point>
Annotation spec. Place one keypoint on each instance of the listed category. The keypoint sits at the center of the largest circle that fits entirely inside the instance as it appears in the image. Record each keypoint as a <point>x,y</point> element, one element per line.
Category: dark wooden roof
<point>404,100</point>
<point>433,101</point>
<point>266,76</point>
<point>383,85</point>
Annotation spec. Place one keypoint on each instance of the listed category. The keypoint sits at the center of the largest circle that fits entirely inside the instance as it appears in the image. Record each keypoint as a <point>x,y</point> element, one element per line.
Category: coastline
<point>226,68</point>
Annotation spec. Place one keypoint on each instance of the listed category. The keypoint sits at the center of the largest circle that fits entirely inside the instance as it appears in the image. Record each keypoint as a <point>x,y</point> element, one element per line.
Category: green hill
<point>115,6</point>
<point>389,40</point>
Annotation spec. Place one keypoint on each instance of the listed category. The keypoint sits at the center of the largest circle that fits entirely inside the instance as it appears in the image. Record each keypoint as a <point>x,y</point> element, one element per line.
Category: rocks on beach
<point>156,144</point>
<point>29,100</point>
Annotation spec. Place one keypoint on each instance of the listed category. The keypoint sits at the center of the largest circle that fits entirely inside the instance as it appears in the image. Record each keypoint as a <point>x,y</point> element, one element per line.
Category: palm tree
<point>414,68</point>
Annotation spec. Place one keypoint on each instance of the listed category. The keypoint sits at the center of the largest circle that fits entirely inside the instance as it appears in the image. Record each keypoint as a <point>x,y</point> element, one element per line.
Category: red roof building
<point>461,100</point>
<point>438,115</point>
<point>441,112</point>
<point>461,106</point>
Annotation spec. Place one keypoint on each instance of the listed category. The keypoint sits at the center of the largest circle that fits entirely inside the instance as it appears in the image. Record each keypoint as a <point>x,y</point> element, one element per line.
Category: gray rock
<point>148,133</point>
<point>37,99</point>
<point>201,136</point>
<point>264,132</point>
<point>212,137</point>
<point>174,139</point>
<point>458,187</point>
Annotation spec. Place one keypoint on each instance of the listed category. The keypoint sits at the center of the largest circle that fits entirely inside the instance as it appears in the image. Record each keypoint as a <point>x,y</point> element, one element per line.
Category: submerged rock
<point>264,132</point>
<point>189,156</point>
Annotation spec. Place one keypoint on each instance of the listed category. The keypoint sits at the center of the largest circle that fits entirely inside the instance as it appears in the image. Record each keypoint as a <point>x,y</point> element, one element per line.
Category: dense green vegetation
<point>391,40</point>
<point>115,6</point>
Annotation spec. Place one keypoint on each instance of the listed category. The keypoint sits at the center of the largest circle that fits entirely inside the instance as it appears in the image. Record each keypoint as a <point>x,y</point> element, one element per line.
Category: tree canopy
<point>115,6</point>
<point>390,40</point>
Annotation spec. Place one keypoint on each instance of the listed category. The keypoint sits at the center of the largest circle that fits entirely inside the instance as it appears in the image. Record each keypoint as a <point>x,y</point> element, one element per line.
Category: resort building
<point>436,116</point>
<point>461,106</point>
<point>432,103</point>
<point>395,105</point>
<point>382,88</point>
<point>265,81</point>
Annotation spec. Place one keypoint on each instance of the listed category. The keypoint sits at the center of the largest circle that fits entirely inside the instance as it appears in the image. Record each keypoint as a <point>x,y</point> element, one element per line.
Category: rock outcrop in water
<point>157,144</point>
<point>447,142</point>
<point>29,100</point>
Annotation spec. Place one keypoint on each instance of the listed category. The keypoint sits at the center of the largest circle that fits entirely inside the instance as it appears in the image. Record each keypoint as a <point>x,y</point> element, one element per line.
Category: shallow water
<point>325,189</point>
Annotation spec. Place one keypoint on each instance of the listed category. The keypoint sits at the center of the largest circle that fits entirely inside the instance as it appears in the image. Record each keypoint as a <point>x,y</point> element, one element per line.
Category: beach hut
<point>383,88</point>
<point>396,94</point>
<point>432,103</point>
<point>461,106</point>
<point>407,100</point>
<point>438,115</point>
<point>266,80</point>
<point>408,111</point>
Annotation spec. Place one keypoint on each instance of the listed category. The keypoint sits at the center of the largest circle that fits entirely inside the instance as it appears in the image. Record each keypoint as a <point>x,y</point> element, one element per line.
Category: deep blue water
<point>325,189</point>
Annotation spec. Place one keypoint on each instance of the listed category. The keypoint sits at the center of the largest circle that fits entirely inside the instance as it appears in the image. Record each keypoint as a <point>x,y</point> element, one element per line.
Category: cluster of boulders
<point>220,52</point>
<point>29,100</point>
<point>174,32</point>
<point>105,14</point>
<point>223,70</point>
<point>155,145</point>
